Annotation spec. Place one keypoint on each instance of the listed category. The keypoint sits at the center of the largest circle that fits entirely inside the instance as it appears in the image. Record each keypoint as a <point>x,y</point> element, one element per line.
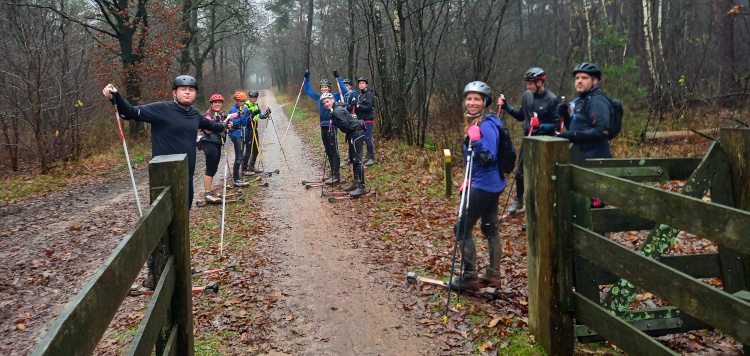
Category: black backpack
<point>615,123</point>
<point>506,152</point>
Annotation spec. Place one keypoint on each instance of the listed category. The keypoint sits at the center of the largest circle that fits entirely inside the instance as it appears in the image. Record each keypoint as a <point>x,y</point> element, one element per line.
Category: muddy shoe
<point>212,199</point>
<point>360,191</point>
<point>332,180</point>
<point>370,162</point>
<point>353,186</point>
<point>493,277</point>
<point>515,208</point>
<point>240,183</point>
<point>465,281</point>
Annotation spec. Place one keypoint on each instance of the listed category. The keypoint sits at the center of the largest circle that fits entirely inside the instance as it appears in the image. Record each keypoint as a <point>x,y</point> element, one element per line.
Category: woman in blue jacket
<point>239,122</point>
<point>485,183</point>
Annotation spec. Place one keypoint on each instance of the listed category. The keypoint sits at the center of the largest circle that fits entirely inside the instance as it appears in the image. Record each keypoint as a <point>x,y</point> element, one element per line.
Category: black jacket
<point>214,136</point>
<point>173,129</point>
<point>365,105</point>
<point>344,120</point>
<point>591,117</point>
<point>545,105</point>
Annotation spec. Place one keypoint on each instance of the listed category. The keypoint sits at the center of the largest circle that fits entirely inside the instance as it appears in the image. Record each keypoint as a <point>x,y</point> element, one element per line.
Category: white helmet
<point>326,96</point>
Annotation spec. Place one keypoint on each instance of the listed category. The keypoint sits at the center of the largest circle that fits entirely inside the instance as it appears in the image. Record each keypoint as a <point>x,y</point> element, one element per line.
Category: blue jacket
<point>486,177</point>
<point>321,109</point>
<point>237,122</point>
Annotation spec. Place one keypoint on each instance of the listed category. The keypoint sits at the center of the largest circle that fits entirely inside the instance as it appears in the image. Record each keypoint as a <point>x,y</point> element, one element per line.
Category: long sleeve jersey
<point>366,106</point>
<point>324,122</point>
<point>545,105</point>
<point>173,128</point>
<point>485,174</point>
<point>591,115</point>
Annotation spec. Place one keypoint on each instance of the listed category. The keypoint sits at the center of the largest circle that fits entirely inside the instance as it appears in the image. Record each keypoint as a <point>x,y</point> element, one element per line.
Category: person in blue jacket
<point>327,130</point>
<point>240,122</point>
<point>485,183</point>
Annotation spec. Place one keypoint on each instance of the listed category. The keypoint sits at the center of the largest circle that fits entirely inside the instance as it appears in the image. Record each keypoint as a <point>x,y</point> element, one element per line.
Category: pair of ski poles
<point>127,156</point>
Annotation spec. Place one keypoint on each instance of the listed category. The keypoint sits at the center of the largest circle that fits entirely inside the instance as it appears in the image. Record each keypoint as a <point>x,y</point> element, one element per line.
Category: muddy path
<point>334,300</point>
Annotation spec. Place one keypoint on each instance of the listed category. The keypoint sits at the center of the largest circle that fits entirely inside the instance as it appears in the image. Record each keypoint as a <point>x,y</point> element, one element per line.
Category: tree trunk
<point>351,44</point>
<point>186,28</point>
<point>725,33</point>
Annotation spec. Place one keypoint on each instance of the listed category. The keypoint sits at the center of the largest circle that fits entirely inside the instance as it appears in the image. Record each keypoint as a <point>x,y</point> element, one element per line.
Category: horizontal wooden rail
<point>685,292</point>
<point>724,225</point>
<point>615,220</point>
<point>616,330</point>
<point>676,168</point>
<point>156,314</point>
<point>637,174</point>
<point>83,322</point>
<point>704,265</point>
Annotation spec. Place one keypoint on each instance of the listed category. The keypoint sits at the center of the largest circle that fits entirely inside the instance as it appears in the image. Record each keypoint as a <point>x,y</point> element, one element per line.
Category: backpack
<point>615,123</point>
<point>506,152</point>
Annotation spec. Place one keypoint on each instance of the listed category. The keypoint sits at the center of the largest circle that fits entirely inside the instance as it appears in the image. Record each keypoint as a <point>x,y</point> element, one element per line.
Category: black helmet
<point>325,82</point>
<point>253,93</point>
<point>347,81</point>
<point>184,81</point>
<point>534,74</point>
<point>480,88</point>
<point>589,69</point>
<point>363,79</point>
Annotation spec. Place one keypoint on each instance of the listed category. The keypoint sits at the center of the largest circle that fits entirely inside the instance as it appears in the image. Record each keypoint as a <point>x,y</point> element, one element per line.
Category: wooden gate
<point>568,260</point>
<point>168,321</point>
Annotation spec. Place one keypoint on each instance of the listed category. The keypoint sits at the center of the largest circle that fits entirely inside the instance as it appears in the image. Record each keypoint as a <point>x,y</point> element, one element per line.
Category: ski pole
<point>341,94</point>
<point>562,119</point>
<point>127,156</point>
<point>273,124</point>
<point>461,210</point>
<point>531,128</point>
<point>223,199</point>
<point>295,108</point>
<point>500,107</point>
<point>255,142</point>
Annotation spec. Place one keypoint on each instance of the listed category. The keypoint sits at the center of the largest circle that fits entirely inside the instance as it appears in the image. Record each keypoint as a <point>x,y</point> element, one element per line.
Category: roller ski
<point>209,288</point>
<point>260,173</point>
<point>483,292</point>
<point>212,271</point>
<point>350,197</point>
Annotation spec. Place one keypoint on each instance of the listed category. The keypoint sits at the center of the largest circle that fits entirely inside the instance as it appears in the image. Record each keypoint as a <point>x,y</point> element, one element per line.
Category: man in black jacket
<point>592,111</point>
<point>540,116</point>
<point>174,124</point>
<point>354,130</point>
<point>365,107</point>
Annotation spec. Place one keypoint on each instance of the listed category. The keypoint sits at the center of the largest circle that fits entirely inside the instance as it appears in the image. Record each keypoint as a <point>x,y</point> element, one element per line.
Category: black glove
<point>562,110</point>
<point>570,135</point>
<point>307,73</point>
<point>335,73</point>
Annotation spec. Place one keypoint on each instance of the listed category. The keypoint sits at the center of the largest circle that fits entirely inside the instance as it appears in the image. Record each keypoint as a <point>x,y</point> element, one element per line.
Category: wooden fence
<point>568,260</point>
<point>167,324</point>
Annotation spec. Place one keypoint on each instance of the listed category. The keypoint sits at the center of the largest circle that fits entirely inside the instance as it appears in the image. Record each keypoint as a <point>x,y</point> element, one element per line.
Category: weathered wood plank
<point>156,314</point>
<point>170,349</point>
<point>548,319</point>
<point>172,170</point>
<point>723,225</point>
<point>637,174</point>
<point>694,297</point>
<point>704,265</point>
<point>677,168</point>
<point>615,220</point>
<point>83,321</point>
<point>617,331</point>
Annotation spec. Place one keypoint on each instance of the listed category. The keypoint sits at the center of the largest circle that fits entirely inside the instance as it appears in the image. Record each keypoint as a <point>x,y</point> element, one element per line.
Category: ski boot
<point>516,207</point>
<point>332,180</point>
<point>210,199</point>
<point>353,186</point>
<point>240,183</point>
<point>493,278</point>
<point>467,280</point>
<point>370,161</point>
<point>360,191</point>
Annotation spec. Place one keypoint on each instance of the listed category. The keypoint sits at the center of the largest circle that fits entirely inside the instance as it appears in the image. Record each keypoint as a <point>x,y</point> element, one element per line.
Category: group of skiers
<point>542,114</point>
<point>351,112</point>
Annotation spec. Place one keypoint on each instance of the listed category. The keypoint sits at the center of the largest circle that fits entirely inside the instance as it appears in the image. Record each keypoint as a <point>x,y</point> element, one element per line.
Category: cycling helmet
<point>184,81</point>
<point>325,82</point>
<point>347,81</point>
<point>480,88</point>
<point>363,79</point>
<point>216,97</point>
<point>534,74</point>
<point>589,69</point>
<point>253,94</point>
<point>326,96</point>
<point>238,95</point>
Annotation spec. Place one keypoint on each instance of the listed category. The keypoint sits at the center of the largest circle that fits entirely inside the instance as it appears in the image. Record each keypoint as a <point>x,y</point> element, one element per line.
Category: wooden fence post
<point>172,170</point>
<point>549,270</point>
<point>448,173</point>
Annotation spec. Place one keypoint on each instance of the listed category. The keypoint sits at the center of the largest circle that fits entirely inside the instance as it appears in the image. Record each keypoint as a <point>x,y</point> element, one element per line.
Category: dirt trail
<point>337,302</point>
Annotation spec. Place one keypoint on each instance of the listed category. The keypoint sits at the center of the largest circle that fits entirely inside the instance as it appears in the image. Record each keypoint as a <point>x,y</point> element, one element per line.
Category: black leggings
<point>331,144</point>
<point>482,204</point>
<point>213,154</point>
<point>251,152</point>
<point>356,143</point>
<point>239,147</point>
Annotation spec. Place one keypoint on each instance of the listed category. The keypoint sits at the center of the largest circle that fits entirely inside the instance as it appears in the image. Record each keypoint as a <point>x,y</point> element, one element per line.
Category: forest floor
<point>314,277</point>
